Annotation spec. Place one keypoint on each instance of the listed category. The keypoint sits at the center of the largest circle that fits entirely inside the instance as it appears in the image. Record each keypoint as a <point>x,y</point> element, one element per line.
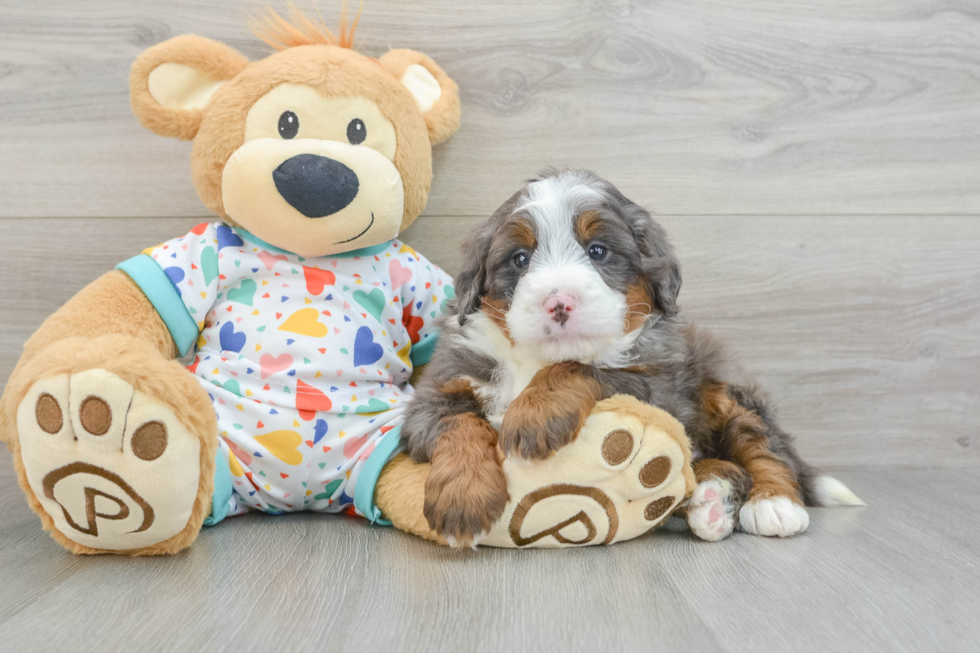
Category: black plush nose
<point>315,185</point>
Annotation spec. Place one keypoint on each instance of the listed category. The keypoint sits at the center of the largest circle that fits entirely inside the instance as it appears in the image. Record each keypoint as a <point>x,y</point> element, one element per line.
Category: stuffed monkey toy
<point>263,361</point>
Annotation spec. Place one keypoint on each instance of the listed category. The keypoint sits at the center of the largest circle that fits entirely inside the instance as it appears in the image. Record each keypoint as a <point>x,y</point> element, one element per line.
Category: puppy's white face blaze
<point>562,309</point>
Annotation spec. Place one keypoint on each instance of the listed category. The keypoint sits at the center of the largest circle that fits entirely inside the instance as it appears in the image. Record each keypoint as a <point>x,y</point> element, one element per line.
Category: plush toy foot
<point>773,517</point>
<point>711,510</point>
<point>111,464</point>
<point>627,470</point>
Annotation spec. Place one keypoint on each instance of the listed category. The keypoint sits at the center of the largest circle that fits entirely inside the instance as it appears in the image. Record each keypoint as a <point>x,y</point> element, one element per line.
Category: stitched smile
<point>360,234</point>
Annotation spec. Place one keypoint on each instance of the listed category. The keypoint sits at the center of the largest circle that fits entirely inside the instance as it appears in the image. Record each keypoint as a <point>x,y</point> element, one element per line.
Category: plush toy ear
<point>171,82</point>
<point>436,95</point>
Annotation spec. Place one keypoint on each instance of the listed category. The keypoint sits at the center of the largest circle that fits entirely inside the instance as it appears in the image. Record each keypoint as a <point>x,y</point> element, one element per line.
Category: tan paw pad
<point>113,468</point>
<point>618,479</point>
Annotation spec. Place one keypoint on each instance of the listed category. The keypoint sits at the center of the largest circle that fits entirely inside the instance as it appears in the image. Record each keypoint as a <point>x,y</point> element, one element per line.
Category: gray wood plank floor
<point>900,575</point>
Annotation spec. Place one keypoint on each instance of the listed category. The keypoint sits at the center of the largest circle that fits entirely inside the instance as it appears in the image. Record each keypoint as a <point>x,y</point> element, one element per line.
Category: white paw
<point>776,517</point>
<point>710,511</point>
<point>113,468</point>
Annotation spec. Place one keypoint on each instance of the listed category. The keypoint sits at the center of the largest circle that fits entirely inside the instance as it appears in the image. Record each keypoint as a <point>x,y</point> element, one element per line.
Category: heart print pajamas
<point>307,361</point>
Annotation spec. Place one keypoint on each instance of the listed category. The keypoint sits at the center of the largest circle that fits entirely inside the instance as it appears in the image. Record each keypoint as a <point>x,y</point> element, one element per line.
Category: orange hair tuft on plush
<point>300,29</point>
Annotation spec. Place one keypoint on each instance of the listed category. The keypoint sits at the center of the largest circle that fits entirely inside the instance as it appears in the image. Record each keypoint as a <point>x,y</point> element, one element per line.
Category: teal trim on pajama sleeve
<point>158,288</point>
<point>222,490</point>
<point>367,480</point>
<point>421,353</point>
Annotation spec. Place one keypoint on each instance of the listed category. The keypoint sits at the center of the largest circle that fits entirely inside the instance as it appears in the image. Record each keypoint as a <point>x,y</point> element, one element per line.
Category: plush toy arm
<point>112,304</point>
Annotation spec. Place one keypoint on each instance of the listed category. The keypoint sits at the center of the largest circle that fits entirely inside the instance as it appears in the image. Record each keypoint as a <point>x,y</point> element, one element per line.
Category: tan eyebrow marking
<point>587,226</point>
<point>523,233</point>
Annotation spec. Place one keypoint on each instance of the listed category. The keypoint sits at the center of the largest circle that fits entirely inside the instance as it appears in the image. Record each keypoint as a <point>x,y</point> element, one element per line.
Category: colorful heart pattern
<point>304,358</point>
<point>309,400</point>
<point>305,322</point>
<point>269,260</point>
<point>283,445</point>
<point>231,340</point>
<point>366,350</point>
<point>272,364</point>
<point>372,302</point>
<point>209,265</point>
<point>244,293</point>
<point>400,275</point>
<point>317,280</point>
<point>373,406</point>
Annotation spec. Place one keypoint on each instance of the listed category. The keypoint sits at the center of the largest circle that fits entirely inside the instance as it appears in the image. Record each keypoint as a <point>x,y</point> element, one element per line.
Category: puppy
<point>568,296</point>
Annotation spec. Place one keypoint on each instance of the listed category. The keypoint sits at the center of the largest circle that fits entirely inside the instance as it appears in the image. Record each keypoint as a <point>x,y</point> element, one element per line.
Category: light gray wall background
<point>816,164</point>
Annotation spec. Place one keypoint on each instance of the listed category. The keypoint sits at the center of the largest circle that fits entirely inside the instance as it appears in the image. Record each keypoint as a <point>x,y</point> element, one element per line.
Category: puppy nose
<point>315,185</point>
<point>560,307</point>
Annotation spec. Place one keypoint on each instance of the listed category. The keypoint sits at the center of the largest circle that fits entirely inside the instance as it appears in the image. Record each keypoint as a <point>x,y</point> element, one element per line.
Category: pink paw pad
<point>715,514</point>
<point>710,515</point>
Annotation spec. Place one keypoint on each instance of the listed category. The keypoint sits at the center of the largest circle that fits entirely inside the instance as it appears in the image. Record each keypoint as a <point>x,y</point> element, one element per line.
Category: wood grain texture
<point>864,329</point>
<point>696,107</point>
<point>901,574</point>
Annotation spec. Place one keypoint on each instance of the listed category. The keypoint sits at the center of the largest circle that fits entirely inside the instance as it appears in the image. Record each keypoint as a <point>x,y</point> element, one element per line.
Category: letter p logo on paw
<point>97,489</point>
<point>113,468</point>
<point>624,474</point>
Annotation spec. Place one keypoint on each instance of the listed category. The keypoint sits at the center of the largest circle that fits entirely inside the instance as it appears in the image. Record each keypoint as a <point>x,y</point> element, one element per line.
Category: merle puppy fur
<point>568,295</point>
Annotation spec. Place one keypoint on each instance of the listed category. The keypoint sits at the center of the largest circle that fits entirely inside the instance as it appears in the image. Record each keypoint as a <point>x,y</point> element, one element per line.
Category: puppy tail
<point>829,492</point>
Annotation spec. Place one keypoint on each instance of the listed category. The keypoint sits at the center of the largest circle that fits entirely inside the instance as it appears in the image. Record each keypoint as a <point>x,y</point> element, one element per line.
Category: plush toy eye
<point>288,124</point>
<point>356,131</point>
<point>598,252</point>
<point>521,260</point>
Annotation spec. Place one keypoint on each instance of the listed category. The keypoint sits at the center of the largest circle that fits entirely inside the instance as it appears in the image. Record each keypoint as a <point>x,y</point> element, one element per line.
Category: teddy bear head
<point>315,149</point>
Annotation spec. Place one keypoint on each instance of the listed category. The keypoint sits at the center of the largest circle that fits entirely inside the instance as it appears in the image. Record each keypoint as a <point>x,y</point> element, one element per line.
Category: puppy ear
<point>436,95</point>
<point>661,267</point>
<point>171,83</point>
<point>471,283</point>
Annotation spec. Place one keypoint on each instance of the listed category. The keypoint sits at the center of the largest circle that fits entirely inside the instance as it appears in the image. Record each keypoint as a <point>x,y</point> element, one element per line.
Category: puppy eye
<point>598,252</point>
<point>356,131</point>
<point>288,124</point>
<point>522,260</point>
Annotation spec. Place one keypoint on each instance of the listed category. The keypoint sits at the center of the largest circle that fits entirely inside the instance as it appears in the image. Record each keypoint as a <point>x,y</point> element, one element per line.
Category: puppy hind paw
<point>711,510</point>
<point>773,517</point>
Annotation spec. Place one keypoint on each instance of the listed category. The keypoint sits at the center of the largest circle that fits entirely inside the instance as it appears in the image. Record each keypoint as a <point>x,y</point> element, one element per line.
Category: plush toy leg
<point>400,494</point>
<point>628,469</point>
<point>114,445</point>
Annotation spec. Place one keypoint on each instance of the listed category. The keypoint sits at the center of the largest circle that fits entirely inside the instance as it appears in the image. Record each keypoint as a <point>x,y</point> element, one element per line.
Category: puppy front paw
<point>540,422</point>
<point>466,490</point>
<point>463,507</point>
